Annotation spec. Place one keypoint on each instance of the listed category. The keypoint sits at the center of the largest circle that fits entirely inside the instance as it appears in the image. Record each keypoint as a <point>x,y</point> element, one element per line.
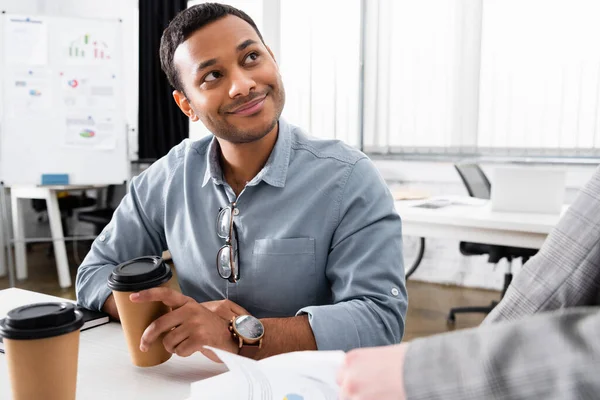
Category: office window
<point>540,75</point>
<point>503,77</point>
<point>320,65</point>
<point>449,77</point>
<point>420,85</point>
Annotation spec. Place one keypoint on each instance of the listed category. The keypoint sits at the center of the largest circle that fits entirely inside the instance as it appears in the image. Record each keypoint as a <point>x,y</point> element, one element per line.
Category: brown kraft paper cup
<point>131,277</point>
<point>135,318</point>
<point>42,361</point>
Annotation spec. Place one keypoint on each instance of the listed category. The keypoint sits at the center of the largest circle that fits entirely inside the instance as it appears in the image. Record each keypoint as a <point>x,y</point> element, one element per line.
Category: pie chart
<point>293,396</point>
<point>87,133</point>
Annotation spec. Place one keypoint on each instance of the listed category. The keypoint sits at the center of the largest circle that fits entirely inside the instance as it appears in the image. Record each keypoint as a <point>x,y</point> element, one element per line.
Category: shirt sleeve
<point>365,268</point>
<point>136,229</point>
<point>547,356</point>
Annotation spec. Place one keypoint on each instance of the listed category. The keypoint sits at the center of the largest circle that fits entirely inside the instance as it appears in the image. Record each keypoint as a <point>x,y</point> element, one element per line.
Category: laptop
<point>528,190</point>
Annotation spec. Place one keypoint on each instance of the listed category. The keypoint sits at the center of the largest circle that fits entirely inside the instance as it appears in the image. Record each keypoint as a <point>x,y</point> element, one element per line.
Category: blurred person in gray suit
<point>541,341</point>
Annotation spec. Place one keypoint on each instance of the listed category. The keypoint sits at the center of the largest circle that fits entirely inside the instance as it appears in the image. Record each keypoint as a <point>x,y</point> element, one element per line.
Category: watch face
<point>249,327</point>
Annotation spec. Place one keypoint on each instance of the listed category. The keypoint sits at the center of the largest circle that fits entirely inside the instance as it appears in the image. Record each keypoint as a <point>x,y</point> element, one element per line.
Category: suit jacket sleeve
<point>566,270</point>
<point>548,356</point>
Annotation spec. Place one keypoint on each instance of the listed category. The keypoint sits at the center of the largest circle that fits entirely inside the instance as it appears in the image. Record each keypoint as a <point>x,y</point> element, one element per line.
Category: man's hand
<point>188,327</point>
<point>373,373</point>
<point>110,307</point>
<point>225,309</point>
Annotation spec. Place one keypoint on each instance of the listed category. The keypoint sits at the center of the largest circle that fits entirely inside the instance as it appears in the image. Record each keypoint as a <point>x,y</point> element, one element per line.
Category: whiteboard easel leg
<point>3,236</point>
<point>60,251</point>
<point>19,232</point>
<point>7,244</point>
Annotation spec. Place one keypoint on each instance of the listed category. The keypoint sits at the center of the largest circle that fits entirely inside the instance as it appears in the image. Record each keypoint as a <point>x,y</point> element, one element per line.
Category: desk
<point>48,193</point>
<point>475,222</point>
<point>105,371</point>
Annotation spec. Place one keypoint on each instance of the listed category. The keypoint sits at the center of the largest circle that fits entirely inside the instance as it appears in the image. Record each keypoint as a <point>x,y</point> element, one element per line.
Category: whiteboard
<point>62,108</point>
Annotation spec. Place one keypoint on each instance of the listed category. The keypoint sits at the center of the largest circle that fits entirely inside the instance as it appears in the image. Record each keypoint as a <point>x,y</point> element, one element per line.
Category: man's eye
<point>212,76</point>
<point>251,57</point>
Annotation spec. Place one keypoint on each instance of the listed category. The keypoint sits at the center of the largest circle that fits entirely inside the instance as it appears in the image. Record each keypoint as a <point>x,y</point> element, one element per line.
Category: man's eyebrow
<point>213,61</point>
<point>206,64</point>
<point>245,44</point>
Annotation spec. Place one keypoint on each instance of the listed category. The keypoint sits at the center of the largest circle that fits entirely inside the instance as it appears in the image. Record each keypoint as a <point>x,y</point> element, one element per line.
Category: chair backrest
<point>110,195</point>
<point>475,181</point>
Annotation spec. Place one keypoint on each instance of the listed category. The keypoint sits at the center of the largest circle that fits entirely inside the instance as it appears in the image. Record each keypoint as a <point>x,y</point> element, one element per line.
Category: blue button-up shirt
<point>317,232</point>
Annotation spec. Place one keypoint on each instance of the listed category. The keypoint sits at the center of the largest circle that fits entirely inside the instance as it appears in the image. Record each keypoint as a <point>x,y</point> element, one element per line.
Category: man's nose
<point>241,84</point>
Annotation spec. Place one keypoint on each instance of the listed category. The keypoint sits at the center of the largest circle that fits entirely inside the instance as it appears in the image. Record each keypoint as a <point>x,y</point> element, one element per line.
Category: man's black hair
<point>187,22</point>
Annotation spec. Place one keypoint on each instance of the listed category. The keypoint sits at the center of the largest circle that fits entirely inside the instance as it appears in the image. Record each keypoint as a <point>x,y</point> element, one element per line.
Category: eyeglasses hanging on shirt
<point>227,258</point>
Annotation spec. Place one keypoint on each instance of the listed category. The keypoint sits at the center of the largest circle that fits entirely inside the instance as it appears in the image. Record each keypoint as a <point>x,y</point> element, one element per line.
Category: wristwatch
<point>249,332</point>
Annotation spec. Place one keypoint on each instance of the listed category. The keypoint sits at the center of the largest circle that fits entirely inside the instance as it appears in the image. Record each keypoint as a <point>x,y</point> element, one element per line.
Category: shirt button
<point>395,292</point>
<point>102,238</point>
<point>236,211</point>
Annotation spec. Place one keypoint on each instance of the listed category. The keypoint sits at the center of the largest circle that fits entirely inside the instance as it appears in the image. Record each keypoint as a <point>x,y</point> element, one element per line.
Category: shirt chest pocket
<point>283,275</point>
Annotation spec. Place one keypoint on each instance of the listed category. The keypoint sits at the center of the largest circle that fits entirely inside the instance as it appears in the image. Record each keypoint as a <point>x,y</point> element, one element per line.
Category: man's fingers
<point>163,324</point>
<point>185,348</point>
<point>237,309</point>
<point>349,387</point>
<point>226,309</point>
<point>174,338</point>
<point>168,296</point>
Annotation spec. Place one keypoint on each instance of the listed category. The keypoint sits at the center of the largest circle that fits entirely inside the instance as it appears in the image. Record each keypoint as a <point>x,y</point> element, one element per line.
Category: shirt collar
<point>273,173</point>
<point>213,166</point>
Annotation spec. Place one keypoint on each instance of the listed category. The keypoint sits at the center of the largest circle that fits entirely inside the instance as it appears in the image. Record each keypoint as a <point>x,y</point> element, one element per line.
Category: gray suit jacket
<point>553,355</point>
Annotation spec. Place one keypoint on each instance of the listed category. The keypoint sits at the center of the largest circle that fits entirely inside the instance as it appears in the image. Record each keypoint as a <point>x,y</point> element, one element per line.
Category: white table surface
<point>105,370</point>
<point>474,221</point>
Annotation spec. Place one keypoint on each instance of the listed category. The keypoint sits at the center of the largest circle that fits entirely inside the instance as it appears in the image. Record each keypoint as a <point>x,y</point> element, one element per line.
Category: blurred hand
<point>225,309</point>
<point>374,373</point>
<point>190,325</point>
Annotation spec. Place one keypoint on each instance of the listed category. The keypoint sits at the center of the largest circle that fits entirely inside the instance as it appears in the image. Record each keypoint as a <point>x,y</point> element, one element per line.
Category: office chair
<point>66,204</point>
<point>479,186</point>
<point>101,216</point>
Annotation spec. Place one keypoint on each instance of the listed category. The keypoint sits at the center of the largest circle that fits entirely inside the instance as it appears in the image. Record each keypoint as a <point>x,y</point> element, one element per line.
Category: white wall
<point>127,11</point>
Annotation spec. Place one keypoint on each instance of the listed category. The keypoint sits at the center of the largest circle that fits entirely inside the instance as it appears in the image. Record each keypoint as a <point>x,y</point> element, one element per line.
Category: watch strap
<point>250,350</point>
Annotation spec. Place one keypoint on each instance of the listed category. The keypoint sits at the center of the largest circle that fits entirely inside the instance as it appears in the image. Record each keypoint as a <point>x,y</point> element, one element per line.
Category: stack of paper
<point>306,375</point>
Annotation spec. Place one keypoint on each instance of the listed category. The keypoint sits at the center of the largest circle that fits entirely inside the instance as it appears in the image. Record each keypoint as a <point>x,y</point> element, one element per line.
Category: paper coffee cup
<point>42,346</point>
<point>132,276</point>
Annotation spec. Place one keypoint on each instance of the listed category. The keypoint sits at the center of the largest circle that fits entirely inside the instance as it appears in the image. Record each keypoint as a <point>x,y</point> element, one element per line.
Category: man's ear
<point>184,105</point>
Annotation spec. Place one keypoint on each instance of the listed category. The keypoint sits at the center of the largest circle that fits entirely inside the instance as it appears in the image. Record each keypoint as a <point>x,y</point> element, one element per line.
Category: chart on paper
<point>84,44</point>
<point>27,41</point>
<point>61,100</point>
<point>292,376</point>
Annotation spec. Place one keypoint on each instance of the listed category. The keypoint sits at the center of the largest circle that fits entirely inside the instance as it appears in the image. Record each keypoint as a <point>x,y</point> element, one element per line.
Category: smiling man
<point>281,242</point>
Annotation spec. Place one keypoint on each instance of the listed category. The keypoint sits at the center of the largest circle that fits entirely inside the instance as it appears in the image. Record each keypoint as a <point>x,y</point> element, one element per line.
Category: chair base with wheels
<point>460,310</point>
<point>496,253</point>
<point>480,309</point>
